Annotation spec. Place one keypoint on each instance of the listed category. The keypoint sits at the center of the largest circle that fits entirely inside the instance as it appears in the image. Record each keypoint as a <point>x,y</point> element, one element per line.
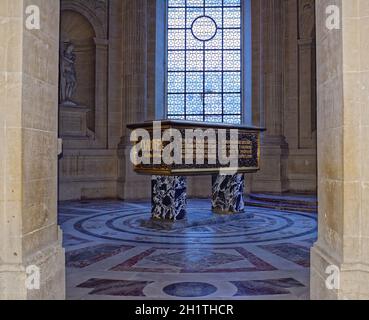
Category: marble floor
<point>115,251</point>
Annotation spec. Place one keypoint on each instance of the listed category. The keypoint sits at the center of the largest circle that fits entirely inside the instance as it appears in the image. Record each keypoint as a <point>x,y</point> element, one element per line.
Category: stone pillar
<point>115,80</point>
<point>307,74</point>
<point>169,198</point>
<point>101,100</point>
<point>228,194</point>
<point>135,92</point>
<point>343,156</point>
<point>30,239</point>
<point>273,176</point>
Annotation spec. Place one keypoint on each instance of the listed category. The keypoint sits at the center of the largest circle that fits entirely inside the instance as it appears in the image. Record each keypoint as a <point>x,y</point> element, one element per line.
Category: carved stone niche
<point>82,118</point>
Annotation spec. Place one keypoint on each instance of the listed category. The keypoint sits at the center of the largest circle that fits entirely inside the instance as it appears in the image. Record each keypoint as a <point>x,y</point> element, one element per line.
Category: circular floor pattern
<point>190,289</point>
<point>266,226</point>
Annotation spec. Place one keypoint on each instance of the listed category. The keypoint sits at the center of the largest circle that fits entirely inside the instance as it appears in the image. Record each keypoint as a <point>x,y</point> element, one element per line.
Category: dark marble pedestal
<point>169,198</point>
<point>228,194</point>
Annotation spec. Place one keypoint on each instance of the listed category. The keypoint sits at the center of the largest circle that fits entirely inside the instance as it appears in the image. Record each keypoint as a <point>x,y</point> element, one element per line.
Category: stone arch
<point>85,8</point>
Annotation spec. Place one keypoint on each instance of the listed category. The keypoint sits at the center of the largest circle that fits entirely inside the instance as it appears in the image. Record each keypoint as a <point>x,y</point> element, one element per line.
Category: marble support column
<point>169,198</point>
<point>228,194</point>
<point>30,239</point>
<point>340,257</point>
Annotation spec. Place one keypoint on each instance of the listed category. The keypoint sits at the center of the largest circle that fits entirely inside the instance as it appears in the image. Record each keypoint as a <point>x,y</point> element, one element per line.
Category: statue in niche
<point>68,75</point>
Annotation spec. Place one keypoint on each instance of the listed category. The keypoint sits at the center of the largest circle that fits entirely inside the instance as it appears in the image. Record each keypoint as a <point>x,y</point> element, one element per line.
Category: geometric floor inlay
<point>265,287</point>
<point>195,258</point>
<point>115,287</point>
<point>87,256</point>
<point>293,252</point>
<point>128,227</point>
<point>190,289</point>
<point>212,261</point>
<point>114,251</point>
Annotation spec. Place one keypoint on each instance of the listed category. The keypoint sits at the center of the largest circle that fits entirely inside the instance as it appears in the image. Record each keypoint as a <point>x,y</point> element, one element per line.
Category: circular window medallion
<point>204,28</point>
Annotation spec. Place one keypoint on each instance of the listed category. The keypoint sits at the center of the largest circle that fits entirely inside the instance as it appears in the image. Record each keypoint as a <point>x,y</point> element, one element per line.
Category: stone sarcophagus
<point>182,148</point>
<point>170,150</point>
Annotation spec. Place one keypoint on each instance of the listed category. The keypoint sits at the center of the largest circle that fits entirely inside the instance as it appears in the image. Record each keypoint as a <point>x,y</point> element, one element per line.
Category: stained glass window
<point>204,60</point>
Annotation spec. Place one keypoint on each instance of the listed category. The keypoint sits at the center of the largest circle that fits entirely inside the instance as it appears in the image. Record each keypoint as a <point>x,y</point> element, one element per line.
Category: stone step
<point>284,202</point>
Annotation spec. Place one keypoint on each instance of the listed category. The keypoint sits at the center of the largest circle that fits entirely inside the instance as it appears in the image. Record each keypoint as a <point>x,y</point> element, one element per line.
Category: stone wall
<point>284,94</point>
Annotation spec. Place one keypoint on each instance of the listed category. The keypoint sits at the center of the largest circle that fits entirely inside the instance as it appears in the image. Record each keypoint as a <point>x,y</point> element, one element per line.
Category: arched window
<point>205,60</point>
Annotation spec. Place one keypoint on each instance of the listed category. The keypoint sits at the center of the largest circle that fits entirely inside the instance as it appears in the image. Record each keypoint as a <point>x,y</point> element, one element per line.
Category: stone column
<point>101,114</point>
<point>135,91</point>
<point>115,87</point>
<point>307,74</point>
<point>342,249</point>
<point>228,194</point>
<point>169,198</point>
<point>269,87</point>
<point>30,240</point>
